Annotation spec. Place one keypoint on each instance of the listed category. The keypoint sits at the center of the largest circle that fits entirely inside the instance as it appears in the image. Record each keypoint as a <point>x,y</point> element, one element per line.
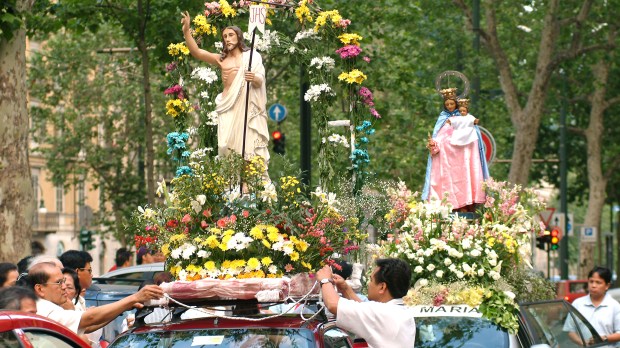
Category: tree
<point>17,206</point>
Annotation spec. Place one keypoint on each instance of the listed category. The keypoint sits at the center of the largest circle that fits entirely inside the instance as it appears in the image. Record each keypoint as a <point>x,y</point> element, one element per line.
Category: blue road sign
<point>277,112</point>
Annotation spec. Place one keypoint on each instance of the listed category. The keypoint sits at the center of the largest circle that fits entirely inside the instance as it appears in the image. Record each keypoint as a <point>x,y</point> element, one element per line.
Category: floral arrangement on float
<point>332,56</point>
<point>455,260</point>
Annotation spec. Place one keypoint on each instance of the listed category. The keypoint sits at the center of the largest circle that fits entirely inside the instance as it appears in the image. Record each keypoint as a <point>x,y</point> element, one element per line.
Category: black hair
<point>76,282</point>
<point>122,256</point>
<point>37,248</point>
<point>75,259</point>
<point>396,274</point>
<point>5,268</point>
<point>11,297</point>
<point>346,269</point>
<point>22,265</point>
<point>603,272</point>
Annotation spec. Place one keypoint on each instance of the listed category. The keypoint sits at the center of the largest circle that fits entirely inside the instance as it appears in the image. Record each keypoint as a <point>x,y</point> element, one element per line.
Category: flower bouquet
<point>454,260</point>
<point>209,228</point>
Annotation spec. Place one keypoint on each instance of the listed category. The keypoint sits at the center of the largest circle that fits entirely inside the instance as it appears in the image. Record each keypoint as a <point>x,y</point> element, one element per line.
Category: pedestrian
<point>124,258</point>
<point>599,308</point>
<point>48,283</point>
<point>146,256</point>
<point>383,321</point>
<point>8,274</point>
<point>81,262</point>
<point>72,284</point>
<point>18,298</point>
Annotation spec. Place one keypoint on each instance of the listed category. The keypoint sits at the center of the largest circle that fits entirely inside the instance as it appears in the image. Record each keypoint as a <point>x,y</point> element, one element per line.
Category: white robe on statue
<point>464,130</point>
<point>231,114</point>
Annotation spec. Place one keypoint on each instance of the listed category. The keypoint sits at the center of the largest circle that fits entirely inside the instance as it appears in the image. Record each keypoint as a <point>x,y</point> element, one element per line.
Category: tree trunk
<point>596,178</point>
<point>148,108</point>
<point>17,206</point>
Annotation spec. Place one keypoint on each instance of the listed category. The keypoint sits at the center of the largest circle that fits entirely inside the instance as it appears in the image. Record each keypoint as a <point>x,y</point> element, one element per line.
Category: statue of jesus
<point>231,103</point>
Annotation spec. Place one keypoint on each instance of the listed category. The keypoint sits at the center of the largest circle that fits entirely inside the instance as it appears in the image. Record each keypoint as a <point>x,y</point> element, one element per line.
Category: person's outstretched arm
<point>194,50</point>
<point>97,317</point>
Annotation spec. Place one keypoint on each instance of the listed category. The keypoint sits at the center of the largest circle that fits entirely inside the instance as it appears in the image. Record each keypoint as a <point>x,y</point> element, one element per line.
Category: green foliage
<point>10,20</point>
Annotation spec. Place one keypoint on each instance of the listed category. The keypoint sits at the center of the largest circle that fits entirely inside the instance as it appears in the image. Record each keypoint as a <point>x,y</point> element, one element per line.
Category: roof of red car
<point>285,321</point>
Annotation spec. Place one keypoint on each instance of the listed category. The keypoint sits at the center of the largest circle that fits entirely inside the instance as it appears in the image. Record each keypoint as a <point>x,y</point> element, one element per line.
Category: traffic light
<point>543,241</point>
<point>278,142</point>
<point>86,239</point>
<point>555,238</point>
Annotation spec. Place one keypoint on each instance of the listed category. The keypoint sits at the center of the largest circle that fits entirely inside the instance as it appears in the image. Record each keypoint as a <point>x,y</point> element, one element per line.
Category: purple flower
<point>171,66</point>
<point>365,92</point>
<point>173,90</point>
<point>349,51</point>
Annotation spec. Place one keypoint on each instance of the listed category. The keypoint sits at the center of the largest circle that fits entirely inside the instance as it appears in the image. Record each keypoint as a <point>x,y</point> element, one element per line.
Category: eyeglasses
<point>59,283</point>
<point>89,270</point>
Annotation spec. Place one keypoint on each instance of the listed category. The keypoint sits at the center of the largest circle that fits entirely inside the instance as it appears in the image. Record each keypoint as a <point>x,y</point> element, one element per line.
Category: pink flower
<point>374,112</point>
<point>246,213</point>
<point>343,23</point>
<point>366,59</point>
<point>172,66</point>
<point>173,90</point>
<point>207,213</point>
<point>289,267</point>
<point>204,224</point>
<point>349,51</point>
<point>187,218</point>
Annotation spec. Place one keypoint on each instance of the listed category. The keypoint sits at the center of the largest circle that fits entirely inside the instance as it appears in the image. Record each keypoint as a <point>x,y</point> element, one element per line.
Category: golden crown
<point>448,93</point>
<point>463,102</point>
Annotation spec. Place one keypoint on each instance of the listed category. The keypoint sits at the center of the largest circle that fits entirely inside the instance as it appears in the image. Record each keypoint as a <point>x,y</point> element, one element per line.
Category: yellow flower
<point>226,264</point>
<point>174,270</point>
<point>355,76</point>
<point>350,39</point>
<point>266,261</point>
<point>178,49</point>
<point>257,233</point>
<point>210,265</point>
<point>302,245</point>
<point>253,264</point>
<point>212,242</point>
<point>266,243</point>
<point>202,26</point>
<point>178,237</point>
<point>321,19</point>
<point>226,9</point>
<point>294,256</point>
<point>165,249</point>
<point>303,12</point>
<point>228,233</point>
<point>307,265</point>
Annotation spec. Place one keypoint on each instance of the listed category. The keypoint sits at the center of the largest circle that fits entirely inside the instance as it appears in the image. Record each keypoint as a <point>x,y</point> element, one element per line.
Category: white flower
<point>272,269</point>
<point>176,253</point>
<point>336,139</point>
<point>423,282</point>
<point>430,267</point>
<point>475,253</point>
<point>204,74</point>
<point>183,275</point>
<point>510,294</point>
<point>291,49</point>
<point>188,251</point>
<point>269,193</point>
<point>480,272</point>
<point>203,253</point>
<point>524,28</point>
<point>418,269</point>
<point>326,63</point>
<point>305,34</point>
<point>439,274</point>
<point>198,203</point>
<point>161,188</point>
<point>147,213</point>
<point>315,91</point>
<point>204,94</point>
<point>494,275</point>
<point>219,45</point>
<point>447,261</point>
<point>466,243</point>
<point>460,274</point>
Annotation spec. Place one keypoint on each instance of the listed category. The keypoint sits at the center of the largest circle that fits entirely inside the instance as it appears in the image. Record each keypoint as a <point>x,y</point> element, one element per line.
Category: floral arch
<point>323,43</point>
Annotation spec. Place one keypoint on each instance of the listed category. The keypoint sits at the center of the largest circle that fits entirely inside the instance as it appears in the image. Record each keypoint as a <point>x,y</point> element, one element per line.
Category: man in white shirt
<point>383,321</point>
<point>48,283</point>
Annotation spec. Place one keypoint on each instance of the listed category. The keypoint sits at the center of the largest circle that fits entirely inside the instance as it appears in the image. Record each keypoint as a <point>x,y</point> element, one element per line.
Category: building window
<point>60,195</point>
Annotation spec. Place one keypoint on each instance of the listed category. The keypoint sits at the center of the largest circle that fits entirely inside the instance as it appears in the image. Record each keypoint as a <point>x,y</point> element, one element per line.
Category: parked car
<point>541,324</point>
<point>615,293</point>
<point>569,290</point>
<point>132,275</point>
<point>289,330</point>
<point>26,330</point>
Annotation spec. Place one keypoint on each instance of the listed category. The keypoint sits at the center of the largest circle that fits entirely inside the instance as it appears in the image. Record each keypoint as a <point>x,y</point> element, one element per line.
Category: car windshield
<point>453,332</point>
<point>229,338</point>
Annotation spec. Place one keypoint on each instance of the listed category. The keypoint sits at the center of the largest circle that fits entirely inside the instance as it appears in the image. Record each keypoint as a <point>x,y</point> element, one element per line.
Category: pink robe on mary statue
<point>456,169</point>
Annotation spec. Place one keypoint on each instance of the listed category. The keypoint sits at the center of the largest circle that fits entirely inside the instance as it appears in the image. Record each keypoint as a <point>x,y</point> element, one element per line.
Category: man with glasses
<point>48,283</point>
<point>81,262</point>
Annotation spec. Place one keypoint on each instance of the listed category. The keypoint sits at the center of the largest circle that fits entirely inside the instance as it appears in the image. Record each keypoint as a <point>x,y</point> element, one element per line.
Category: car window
<point>220,338</point>
<point>578,288</point>
<point>336,338</point>
<point>8,339</point>
<point>47,339</point>
<point>452,332</point>
<point>557,323</point>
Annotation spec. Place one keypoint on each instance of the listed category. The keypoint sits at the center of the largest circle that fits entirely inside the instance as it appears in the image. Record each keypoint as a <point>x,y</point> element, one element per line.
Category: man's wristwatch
<point>325,281</point>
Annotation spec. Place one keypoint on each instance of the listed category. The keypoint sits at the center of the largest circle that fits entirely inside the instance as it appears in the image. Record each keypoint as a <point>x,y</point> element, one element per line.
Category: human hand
<point>325,272</point>
<point>341,283</point>
<point>186,20</point>
<point>149,292</point>
<point>476,121</point>
<point>249,76</point>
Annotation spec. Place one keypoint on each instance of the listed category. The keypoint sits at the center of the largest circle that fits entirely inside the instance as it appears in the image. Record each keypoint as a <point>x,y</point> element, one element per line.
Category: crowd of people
<point>55,287</point>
